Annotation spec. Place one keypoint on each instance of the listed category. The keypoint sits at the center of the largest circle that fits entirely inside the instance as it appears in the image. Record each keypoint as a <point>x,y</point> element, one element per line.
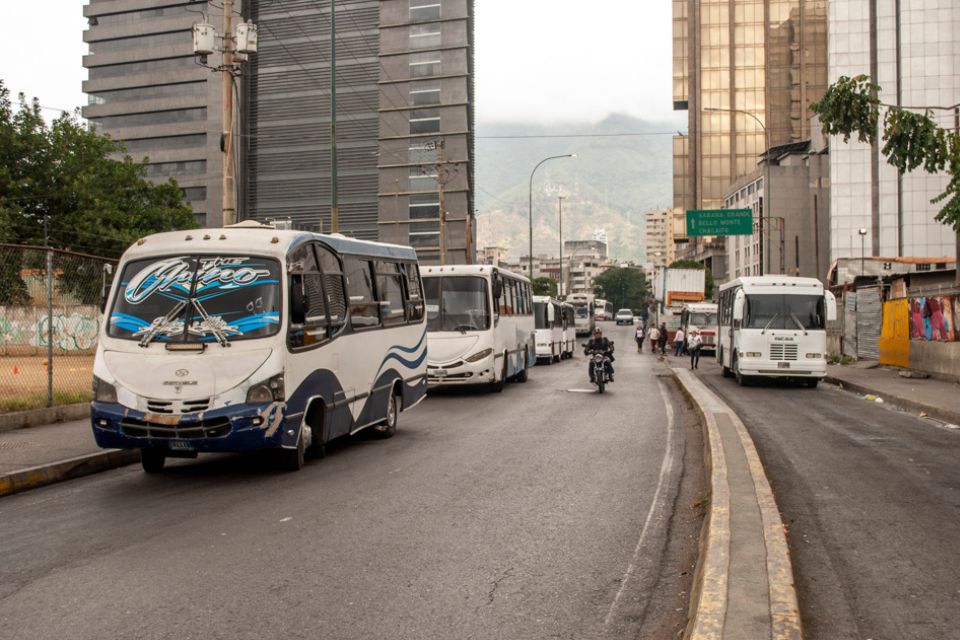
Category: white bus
<point>479,325</point>
<point>774,326</point>
<point>553,336</point>
<point>701,316</point>
<point>584,319</point>
<point>603,309</point>
<point>249,337</point>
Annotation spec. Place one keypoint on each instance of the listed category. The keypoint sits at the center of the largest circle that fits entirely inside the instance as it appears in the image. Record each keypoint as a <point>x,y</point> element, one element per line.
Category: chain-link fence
<point>49,320</point>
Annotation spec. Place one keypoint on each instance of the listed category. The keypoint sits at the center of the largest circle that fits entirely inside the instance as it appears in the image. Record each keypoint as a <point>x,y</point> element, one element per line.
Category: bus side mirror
<point>738,303</point>
<point>830,302</point>
<point>497,288</point>
<point>106,281</point>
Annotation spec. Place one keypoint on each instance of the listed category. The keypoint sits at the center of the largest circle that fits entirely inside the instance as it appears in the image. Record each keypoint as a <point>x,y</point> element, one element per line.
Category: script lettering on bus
<point>175,273</point>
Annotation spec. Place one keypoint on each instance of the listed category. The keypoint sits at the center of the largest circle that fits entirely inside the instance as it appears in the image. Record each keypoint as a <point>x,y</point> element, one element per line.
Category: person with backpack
<point>662,339</point>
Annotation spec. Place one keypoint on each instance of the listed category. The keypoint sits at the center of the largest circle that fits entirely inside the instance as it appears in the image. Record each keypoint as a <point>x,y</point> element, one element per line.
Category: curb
<point>42,475</point>
<point>709,602</point>
<point>47,415</point>
<point>897,401</point>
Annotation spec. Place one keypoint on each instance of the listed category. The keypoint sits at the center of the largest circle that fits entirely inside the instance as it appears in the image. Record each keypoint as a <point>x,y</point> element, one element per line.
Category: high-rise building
<point>911,49</point>
<point>659,231</point>
<point>746,72</point>
<point>404,112</point>
<point>146,88</point>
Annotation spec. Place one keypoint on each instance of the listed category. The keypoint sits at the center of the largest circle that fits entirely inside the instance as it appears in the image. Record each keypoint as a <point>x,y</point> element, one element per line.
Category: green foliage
<point>63,173</point>
<point>544,287</point>
<point>693,264</point>
<point>911,140</point>
<point>624,287</point>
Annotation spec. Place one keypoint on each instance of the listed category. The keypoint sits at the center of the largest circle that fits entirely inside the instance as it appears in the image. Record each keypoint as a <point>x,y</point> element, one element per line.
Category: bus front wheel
<point>293,459</point>
<point>152,459</point>
<point>388,427</point>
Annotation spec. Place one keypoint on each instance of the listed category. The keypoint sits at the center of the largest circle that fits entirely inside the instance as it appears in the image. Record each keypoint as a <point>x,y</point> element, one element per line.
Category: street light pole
<point>863,234</point>
<point>530,211</point>
<point>560,218</point>
<point>767,187</point>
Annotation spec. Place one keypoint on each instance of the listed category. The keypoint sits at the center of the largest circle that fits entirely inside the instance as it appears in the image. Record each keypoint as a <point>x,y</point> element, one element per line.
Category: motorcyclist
<point>599,344</point>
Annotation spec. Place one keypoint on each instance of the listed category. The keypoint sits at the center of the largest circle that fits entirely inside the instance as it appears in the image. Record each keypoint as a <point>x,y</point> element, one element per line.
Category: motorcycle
<point>599,361</point>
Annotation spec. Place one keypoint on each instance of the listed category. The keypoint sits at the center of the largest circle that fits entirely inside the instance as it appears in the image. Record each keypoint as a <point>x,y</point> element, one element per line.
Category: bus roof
<point>774,281</point>
<point>483,270</point>
<point>263,240</point>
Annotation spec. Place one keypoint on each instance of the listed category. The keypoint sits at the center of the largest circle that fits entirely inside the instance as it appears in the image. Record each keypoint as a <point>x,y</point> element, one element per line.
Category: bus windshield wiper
<point>767,326</point>
<point>214,325</point>
<point>799,324</point>
<point>165,325</point>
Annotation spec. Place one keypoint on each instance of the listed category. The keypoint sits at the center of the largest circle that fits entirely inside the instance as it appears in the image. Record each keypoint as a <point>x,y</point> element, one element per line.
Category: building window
<point>424,36</point>
<point>194,194</point>
<point>173,116</point>
<point>421,10</point>
<point>425,96</point>
<point>186,167</point>
<point>425,121</point>
<point>424,64</point>
<point>423,153</point>
<point>423,178</point>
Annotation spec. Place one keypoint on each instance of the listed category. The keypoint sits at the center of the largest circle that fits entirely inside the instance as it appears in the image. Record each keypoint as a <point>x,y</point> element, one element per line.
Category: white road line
<point>656,505</point>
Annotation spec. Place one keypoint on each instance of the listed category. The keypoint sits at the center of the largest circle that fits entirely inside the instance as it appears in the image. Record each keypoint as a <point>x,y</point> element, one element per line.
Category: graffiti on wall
<point>933,318</point>
<point>26,327</point>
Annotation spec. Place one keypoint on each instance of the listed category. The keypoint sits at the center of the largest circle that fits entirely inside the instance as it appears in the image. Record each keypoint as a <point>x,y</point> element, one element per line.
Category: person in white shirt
<point>639,338</point>
<point>694,345</point>
<point>678,343</point>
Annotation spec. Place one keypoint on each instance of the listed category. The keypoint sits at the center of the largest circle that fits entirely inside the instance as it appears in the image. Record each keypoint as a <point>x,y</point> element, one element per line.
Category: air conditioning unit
<point>204,39</point>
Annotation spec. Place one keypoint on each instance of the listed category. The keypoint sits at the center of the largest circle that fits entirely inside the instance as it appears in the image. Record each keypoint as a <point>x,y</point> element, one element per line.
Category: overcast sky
<point>538,60</point>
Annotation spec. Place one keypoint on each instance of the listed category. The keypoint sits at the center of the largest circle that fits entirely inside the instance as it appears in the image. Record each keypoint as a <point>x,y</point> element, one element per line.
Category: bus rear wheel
<point>725,370</point>
<point>742,380</point>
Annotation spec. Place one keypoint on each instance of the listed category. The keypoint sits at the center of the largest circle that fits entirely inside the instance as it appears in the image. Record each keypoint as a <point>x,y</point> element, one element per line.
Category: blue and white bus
<point>479,327</point>
<point>249,337</point>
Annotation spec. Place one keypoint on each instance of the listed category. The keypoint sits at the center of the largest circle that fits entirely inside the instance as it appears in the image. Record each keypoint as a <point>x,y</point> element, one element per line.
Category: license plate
<point>440,373</point>
<point>783,365</point>
<point>180,445</point>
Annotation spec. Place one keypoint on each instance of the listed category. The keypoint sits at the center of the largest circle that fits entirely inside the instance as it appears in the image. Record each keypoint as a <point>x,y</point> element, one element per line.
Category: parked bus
<point>479,325</point>
<point>703,317</point>
<point>584,319</point>
<point>249,337</point>
<point>603,309</point>
<point>553,338</point>
<point>774,326</point>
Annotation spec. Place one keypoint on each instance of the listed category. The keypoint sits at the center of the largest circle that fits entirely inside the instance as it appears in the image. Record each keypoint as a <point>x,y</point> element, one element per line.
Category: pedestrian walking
<point>662,339</point>
<point>654,334</point>
<point>678,338</point>
<point>694,346</point>
<point>639,338</point>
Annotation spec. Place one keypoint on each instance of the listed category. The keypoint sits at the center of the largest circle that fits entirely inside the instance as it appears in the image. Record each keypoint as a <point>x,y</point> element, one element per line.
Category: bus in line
<point>701,316</point>
<point>774,326</point>
<point>250,337</point>
<point>603,309</point>
<point>479,325</point>
<point>583,316</point>
<point>554,332</point>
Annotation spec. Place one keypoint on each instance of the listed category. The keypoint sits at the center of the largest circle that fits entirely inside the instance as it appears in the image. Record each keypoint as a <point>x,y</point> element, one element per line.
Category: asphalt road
<point>541,512</point>
<point>871,500</point>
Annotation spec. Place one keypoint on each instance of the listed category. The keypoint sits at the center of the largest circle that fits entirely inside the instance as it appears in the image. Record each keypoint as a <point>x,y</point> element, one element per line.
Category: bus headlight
<point>267,391</point>
<point>104,391</point>
<point>480,355</point>
<point>815,356</point>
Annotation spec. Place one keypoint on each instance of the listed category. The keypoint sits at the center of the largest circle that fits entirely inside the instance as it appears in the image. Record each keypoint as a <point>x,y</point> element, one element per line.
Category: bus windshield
<point>703,318</point>
<point>457,303</point>
<point>189,298</point>
<point>778,311</point>
<point>581,310</point>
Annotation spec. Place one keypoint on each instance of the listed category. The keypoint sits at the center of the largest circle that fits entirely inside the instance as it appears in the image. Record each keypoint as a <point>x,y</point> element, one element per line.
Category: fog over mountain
<point>611,184</point>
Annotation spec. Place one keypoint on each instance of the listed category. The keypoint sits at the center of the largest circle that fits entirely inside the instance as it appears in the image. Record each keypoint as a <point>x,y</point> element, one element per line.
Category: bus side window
<point>414,292</point>
<point>308,317</point>
<point>364,311</point>
<point>500,302</point>
<point>390,293</point>
<point>333,286</point>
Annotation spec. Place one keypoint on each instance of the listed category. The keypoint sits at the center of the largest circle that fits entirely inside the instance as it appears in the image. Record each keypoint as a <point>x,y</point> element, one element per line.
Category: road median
<point>41,475</point>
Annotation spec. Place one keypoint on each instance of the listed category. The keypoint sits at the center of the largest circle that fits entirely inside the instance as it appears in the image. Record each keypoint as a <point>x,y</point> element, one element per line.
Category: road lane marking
<point>656,505</point>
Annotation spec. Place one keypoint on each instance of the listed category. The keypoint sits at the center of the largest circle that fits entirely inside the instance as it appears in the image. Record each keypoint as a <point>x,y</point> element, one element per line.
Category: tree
<point>544,286</point>
<point>693,264</point>
<point>911,140</point>
<point>62,174</point>
<point>624,287</point>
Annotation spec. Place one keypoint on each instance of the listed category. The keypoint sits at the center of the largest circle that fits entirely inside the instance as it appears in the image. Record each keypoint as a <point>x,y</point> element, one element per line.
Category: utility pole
<point>560,213</point>
<point>229,195</point>
<point>334,202</point>
<point>443,175</point>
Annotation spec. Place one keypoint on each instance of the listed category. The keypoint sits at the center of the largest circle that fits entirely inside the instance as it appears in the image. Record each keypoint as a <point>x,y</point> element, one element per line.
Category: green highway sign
<point>719,222</point>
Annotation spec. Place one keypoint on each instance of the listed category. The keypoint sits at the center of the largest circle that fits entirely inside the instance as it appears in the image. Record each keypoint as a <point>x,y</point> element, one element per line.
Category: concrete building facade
<point>146,89</point>
<point>404,112</point>
<point>660,238</point>
<point>911,48</point>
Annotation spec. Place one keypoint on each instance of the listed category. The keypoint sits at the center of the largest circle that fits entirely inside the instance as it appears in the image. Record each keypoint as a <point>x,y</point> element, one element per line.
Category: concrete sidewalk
<point>36,456</point>
<point>937,398</point>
